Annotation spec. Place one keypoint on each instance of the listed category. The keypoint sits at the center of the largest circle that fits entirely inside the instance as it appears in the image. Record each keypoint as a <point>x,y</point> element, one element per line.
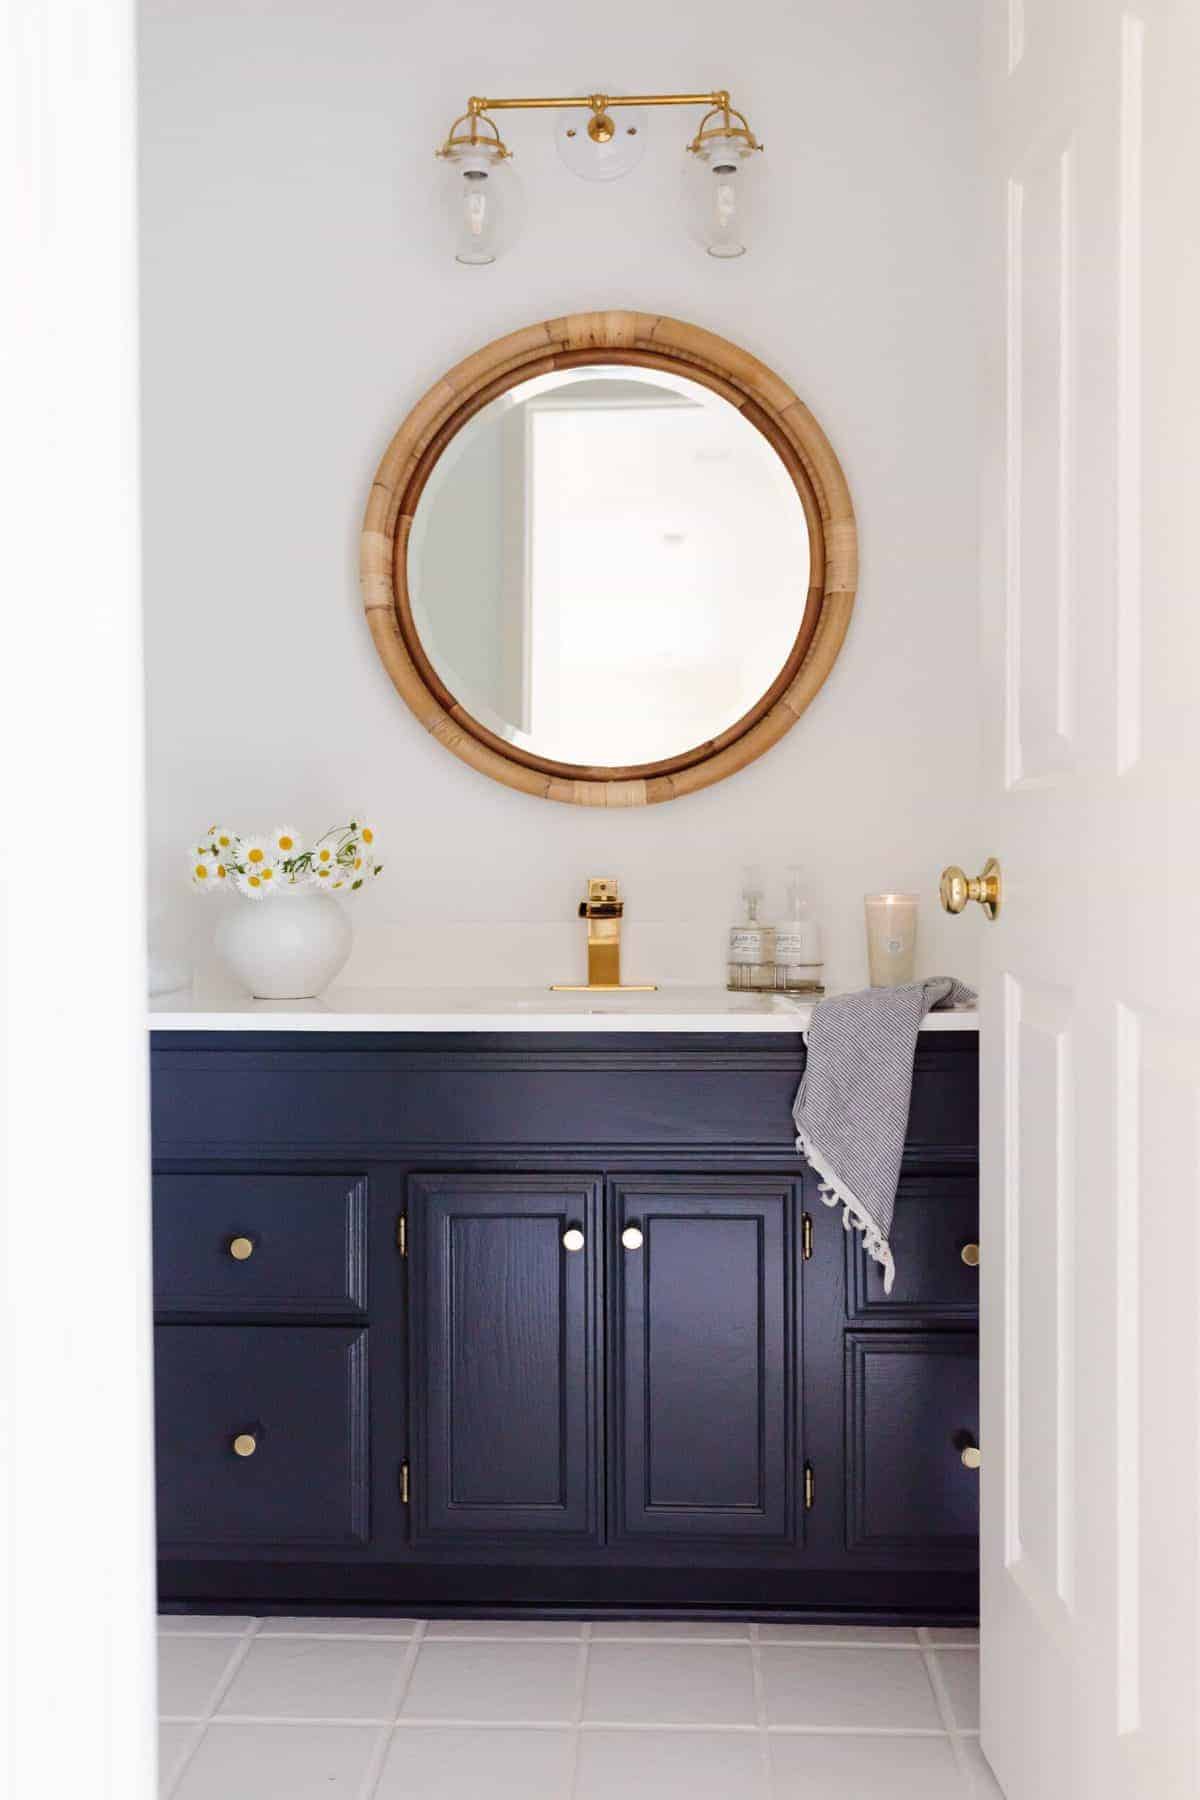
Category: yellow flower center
<point>255,855</point>
<point>287,843</point>
<point>254,880</point>
<point>223,841</point>
<point>201,872</point>
<point>221,870</point>
<point>358,862</point>
<point>325,855</point>
<point>267,874</point>
<point>368,836</point>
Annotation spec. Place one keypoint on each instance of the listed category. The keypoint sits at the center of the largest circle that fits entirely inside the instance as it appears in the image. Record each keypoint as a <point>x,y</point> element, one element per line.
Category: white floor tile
<point>685,1630</point>
<point>896,1637</point>
<point>384,1628</point>
<point>174,1742</point>
<point>959,1670</point>
<point>824,1766</point>
<point>984,1785</point>
<point>203,1624</point>
<point>670,1684</point>
<point>954,1637</point>
<point>317,1678</point>
<point>453,1762</point>
<point>848,1689</point>
<point>528,1629</point>
<point>279,1762</point>
<point>531,1683</point>
<point>670,1765</point>
<point>189,1673</point>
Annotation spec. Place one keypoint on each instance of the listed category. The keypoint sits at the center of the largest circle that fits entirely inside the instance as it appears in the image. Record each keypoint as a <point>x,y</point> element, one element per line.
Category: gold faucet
<point>603,909</point>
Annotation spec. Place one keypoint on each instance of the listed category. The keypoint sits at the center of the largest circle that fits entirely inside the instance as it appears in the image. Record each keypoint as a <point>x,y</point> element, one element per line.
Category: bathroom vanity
<point>536,1308</point>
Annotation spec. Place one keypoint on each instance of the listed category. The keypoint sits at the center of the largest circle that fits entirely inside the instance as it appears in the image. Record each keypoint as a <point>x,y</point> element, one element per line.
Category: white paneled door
<point>1091,1061</point>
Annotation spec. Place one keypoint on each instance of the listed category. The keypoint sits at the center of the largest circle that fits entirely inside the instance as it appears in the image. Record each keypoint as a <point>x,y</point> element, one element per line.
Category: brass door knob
<point>573,1238</point>
<point>970,1255</point>
<point>241,1248</point>
<point>245,1444</point>
<point>971,1458</point>
<point>632,1238</point>
<point>956,889</point>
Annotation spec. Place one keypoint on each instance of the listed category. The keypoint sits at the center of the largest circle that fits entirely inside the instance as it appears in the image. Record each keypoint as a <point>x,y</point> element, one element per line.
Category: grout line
<point>942,1695</point>
<point>196,1729</point>
<point>760,1713</point>
<point>217,1694</point>
<point>581,1671</point>
<point>374,1771</point>
<point>861,1731</point>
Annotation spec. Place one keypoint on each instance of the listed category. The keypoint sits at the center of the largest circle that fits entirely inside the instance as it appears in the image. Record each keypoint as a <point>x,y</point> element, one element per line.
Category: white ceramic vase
<point>287,947</point>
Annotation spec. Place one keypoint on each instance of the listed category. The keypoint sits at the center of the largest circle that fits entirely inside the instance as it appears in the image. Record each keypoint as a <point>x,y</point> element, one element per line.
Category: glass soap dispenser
<point>798,965</point>
<point>751,963</point>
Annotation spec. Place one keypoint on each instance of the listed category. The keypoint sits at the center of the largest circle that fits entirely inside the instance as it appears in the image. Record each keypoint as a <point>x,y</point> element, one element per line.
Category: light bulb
<point>724,234</point>
<point>480,218</point>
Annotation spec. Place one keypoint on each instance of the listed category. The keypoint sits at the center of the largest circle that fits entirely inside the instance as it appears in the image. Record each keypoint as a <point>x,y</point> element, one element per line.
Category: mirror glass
<point>608,565</point>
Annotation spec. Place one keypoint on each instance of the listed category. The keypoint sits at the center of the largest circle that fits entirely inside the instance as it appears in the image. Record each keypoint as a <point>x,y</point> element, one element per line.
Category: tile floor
<point>397,1709</point>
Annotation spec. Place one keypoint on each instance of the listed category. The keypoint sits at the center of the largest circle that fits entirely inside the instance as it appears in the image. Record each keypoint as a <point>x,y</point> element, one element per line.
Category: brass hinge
<point>404,1484</point>
<point>402,1234</point>
<point>810,1487</point>
<point>806,1237</point>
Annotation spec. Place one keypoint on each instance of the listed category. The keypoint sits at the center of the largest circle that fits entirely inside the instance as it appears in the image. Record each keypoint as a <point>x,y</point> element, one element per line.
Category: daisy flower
<point>256,854</point>
<point>223,842</point>
<point>203,866</point>
<point>365,831</point>
<point>251,885</point>
<point>325,855</point>
<point>286,842</point>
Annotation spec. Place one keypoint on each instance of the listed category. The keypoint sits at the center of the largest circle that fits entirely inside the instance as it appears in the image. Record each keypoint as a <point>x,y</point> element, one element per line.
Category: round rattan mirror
<point>609,559</point>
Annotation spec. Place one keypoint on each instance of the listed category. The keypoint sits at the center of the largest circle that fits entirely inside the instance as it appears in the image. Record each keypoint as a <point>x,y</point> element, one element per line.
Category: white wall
<point>298,298</point>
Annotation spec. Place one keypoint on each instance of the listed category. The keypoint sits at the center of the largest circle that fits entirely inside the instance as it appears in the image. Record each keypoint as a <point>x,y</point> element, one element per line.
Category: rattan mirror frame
<point>650,341</point>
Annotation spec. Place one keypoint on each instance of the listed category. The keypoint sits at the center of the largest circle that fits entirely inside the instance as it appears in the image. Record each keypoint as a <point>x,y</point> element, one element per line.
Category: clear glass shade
<point>480,200</point>
<point>720,179</point>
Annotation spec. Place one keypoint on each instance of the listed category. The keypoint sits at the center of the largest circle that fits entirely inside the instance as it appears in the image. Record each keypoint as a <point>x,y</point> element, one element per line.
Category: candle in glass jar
<point>891,938</point>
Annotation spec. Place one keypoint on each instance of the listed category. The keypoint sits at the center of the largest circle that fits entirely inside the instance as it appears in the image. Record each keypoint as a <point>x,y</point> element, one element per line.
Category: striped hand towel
<point>851,1111</point>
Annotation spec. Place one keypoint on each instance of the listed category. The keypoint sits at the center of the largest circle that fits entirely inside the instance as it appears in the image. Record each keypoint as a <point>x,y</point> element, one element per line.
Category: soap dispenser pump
<point>798,965</point>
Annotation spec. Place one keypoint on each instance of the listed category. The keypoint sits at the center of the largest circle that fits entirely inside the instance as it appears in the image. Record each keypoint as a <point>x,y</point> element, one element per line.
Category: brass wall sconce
<point>598,147</point>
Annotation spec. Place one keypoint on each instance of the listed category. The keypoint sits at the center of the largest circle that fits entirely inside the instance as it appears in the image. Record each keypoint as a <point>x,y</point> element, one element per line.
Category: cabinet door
<point>503,1358</point>
<point>912,1408</point>
<point>706,1309</point>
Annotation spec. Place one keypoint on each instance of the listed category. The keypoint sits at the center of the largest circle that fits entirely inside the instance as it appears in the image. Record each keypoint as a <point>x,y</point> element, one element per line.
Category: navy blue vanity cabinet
<point>554,1322</point>
<point>504,1355</point>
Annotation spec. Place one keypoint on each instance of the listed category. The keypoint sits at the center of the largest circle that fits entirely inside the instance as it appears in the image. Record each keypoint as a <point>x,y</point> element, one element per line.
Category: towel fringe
<point>854,1216</point>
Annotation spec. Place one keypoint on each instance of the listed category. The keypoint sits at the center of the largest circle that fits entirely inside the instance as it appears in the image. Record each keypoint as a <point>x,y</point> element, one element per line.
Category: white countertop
<point>691,1009</point>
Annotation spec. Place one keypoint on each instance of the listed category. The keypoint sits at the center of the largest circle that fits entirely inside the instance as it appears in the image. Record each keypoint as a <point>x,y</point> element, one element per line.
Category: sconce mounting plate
<point>601,146</point>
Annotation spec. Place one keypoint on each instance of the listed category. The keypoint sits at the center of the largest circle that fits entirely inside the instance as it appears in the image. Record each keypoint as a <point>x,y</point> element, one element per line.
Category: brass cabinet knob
<point>245,1444</point>
<point>970,1255</point>
<point>956,889</point>
<point>632,1238</point>
<point>573,1238</point>
<point>971,1458</point>
<point>241,1248</point>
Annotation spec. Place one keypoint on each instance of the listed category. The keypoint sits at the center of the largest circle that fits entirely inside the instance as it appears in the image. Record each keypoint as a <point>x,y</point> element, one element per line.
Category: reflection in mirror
<point>608,565</point>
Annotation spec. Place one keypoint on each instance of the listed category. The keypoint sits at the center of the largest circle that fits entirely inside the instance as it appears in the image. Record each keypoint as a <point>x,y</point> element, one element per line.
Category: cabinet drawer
<point>936,1221</point>
<point>270,1246</point>
<point>912,1407</point>
<point>293,1401</point>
